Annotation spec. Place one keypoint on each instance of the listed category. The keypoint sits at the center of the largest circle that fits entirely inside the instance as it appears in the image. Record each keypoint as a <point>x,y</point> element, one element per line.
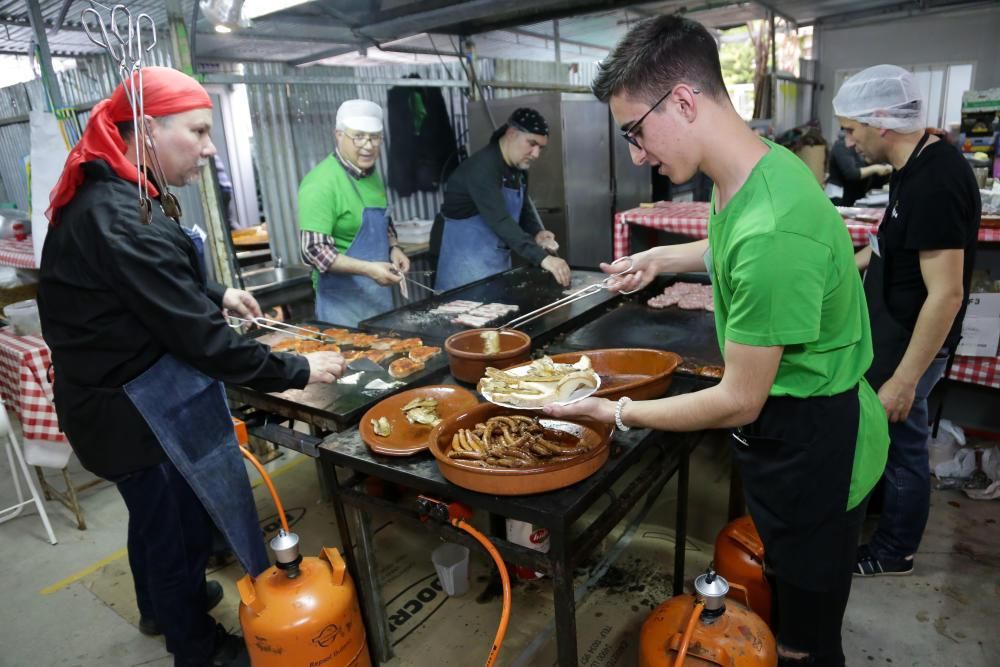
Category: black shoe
<point>213,596</point>
<point>229,651</point>
<point>870,565</point>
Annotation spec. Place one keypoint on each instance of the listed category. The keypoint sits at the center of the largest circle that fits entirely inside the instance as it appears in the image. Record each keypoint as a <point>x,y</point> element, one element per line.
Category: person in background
<point>850,175</point>
<point>139,347</point>
<point>917,274</point>
<point>346,233</point>
<point>485,213</point>
<point>809,434</point>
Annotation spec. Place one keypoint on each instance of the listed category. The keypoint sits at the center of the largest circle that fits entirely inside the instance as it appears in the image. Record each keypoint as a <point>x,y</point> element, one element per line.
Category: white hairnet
<point>883,96</point>
<point>359,115</point>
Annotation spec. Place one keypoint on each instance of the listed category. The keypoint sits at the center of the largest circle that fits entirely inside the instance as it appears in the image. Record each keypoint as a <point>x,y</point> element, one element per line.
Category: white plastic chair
<point>14,452</point>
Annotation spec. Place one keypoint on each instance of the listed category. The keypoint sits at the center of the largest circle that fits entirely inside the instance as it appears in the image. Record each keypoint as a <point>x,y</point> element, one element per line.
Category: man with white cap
<point>917,282</point>
<point>346,233</point>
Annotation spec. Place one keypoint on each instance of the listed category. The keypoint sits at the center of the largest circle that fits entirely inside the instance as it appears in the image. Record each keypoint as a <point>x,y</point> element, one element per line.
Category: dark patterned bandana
<point>528,120</point>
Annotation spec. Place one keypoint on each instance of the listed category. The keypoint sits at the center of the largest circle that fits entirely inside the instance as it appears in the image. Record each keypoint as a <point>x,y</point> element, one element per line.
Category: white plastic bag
<point>944,447</point>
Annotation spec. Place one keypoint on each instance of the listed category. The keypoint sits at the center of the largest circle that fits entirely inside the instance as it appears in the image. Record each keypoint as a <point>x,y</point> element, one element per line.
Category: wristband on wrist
<point>618,413</point>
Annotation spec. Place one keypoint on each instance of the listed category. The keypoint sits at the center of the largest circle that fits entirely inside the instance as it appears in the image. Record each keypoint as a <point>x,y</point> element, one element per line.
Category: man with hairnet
<point>486,216</point>
<point>918,269</point>
<point>346,231</point>
<point>139,346</point>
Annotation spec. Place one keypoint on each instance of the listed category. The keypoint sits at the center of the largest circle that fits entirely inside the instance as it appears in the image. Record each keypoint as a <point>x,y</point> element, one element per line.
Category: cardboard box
<point>983,304</point>
<point>980,337</point>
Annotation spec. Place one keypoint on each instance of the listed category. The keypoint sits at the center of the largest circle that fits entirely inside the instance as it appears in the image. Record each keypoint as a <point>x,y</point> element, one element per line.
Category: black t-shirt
<point>845,171</point>
<point>474,188</point>
<point>114,296</point>
<point>933,205</point>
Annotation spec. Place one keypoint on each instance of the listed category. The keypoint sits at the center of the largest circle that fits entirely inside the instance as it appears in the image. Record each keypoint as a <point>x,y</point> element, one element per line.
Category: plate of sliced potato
<point>401,424</point>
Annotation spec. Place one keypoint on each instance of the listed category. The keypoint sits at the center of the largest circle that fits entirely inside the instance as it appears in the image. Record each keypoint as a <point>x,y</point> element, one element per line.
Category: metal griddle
<point>335,406</point>
<point>527,287</point>
<point>689,333</point>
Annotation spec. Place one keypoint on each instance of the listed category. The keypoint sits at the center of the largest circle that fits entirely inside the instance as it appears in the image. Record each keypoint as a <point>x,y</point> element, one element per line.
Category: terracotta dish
<point>407,439</point>
<point>520,481</point>
<point>638,373</point>
<point>468,362</point>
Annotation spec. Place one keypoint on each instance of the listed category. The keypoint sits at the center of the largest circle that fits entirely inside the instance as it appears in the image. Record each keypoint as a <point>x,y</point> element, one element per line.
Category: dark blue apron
<point>470,250</point>
<point>346,298</point>
<point>187,412</point>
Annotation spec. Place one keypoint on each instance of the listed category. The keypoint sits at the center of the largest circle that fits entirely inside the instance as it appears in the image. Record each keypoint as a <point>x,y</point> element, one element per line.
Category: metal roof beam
<point>769,6</point>
<point>551,38</point>
<point>322,55</point>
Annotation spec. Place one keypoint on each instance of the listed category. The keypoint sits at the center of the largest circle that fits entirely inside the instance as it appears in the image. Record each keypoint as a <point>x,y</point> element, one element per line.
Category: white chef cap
<point>883,96</point>
<point>359,115</point>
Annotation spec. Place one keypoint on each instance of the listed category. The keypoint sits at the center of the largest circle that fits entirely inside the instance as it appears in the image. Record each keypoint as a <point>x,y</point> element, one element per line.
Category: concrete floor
<point>943,615</point>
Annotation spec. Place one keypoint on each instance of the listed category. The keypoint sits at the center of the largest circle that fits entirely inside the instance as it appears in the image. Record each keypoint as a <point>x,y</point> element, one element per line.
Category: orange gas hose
<point>688,631</point>
<point>270,487</point>
<point>505,580</point>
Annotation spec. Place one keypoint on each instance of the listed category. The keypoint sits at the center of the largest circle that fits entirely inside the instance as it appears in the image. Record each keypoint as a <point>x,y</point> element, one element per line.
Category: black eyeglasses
<point>631,134</point>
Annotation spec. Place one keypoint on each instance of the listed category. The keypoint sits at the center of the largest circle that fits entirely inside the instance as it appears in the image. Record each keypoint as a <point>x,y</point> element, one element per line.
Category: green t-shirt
<point>783,273</point>
<point>329,204</point>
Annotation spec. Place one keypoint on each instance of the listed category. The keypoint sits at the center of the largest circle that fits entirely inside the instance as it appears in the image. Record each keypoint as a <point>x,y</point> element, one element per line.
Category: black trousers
<point>169,542</point>
<point>809,621</point>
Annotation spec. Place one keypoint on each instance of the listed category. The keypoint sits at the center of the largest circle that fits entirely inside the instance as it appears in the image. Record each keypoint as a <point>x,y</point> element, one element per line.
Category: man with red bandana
<point>139,347</point>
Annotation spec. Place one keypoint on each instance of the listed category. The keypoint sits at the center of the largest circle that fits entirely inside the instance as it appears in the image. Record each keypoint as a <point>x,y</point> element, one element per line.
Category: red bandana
<point>167,91</point>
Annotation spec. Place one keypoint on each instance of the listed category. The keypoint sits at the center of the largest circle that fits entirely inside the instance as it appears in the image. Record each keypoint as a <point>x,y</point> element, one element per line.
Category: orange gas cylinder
<point>723,633</point>
<point>302,611</point>
<point>739,557</point>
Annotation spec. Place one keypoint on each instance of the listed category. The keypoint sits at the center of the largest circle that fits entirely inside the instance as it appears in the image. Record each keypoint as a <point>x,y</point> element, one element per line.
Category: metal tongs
<point>274,325</point>
<point>589,290</point>
<point>126,51</point>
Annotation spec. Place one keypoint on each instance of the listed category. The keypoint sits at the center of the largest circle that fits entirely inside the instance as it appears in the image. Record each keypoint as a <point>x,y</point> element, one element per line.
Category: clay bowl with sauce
<point>521,481</point>
<point>639,373</point>
<point>468,361</point>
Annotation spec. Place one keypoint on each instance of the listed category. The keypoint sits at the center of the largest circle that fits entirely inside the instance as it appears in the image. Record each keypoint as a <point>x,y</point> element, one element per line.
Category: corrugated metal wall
<point>293,126</point>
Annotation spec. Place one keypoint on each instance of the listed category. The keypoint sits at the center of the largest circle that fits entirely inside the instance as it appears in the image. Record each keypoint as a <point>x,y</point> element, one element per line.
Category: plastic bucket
<point>452,564</point>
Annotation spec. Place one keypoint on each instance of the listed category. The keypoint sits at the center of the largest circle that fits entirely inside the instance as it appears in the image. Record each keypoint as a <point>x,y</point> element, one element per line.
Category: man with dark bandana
<point>485,213</point>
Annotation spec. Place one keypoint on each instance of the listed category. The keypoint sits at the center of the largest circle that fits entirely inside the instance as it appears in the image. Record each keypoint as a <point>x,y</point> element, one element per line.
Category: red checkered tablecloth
<point>983,371</point>
<point>691,219</point>
<point>19,254</point>
<point>25,386</point>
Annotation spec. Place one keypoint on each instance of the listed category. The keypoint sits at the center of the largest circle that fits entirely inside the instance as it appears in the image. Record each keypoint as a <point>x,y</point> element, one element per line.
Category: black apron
<point>796,462</point>
<point>890,338</point>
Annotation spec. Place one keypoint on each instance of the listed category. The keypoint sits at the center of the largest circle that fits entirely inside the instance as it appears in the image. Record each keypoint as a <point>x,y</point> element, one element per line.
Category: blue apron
<point>187,412</point>
<point>346,298</point>
<point>470,250</point>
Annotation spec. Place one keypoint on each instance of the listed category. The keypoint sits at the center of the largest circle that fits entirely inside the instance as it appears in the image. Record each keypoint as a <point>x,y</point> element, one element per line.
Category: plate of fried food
<point>542,382</point>
<point>493,449</point>
<point>401,425</point>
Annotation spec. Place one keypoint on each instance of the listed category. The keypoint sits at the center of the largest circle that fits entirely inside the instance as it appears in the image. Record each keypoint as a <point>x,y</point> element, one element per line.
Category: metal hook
<point>116,55</point>
<point>126,42</point>
<point>152,30</point>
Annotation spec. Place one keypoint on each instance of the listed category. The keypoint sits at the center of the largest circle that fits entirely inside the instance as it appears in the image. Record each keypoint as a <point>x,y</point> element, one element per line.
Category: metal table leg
<point>372,589</point>
<point>347,544</point>
<point>680,543</point>
<point>565,601</point>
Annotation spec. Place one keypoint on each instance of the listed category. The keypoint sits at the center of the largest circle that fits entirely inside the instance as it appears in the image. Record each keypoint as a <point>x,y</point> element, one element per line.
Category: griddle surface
<point>689,333</point>
<point>527,287</point>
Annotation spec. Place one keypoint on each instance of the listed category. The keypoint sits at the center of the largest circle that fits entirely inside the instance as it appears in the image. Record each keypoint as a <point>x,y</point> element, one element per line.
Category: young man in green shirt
<point>345,232</point>
<point>810,435</point>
